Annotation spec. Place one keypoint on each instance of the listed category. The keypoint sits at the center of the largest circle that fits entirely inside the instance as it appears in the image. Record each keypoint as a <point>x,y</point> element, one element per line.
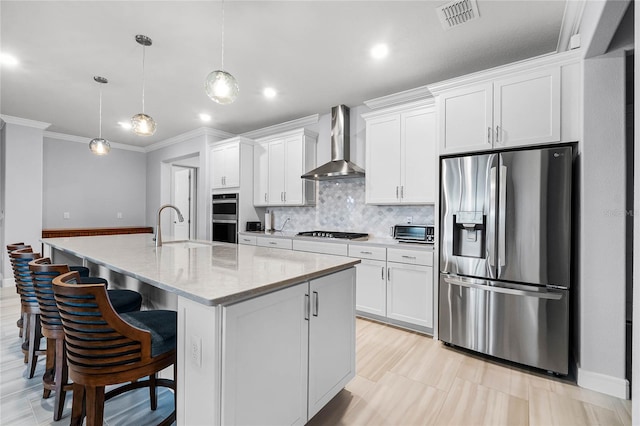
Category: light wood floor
<point>403,378</point>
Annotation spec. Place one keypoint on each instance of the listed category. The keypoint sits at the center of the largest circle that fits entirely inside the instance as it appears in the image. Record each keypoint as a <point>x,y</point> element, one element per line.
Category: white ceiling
<point>315,53</point>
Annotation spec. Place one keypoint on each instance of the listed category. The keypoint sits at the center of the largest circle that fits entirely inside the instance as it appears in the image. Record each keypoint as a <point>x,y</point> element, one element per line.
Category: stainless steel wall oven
<point>224,223</point>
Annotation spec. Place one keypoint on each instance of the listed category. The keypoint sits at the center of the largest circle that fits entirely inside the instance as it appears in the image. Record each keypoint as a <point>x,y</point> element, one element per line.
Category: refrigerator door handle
<point>502,217</point>
<point>491,238</point>
<point>504,290</point>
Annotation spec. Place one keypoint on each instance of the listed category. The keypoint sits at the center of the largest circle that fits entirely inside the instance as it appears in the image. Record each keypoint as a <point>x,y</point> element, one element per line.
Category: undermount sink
<point>187,244</point>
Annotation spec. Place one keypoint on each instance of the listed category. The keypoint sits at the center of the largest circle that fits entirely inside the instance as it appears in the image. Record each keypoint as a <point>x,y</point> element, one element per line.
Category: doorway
<point>184,196</point>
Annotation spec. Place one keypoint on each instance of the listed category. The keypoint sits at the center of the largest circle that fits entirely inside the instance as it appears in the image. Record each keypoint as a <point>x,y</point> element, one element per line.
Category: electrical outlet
<point>66,215</point>
<point>409,219</point>
<point>195,345</point>
<point>119,215</point>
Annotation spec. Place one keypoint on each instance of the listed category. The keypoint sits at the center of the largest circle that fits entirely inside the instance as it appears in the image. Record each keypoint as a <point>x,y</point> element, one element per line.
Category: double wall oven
<point>224,223</point>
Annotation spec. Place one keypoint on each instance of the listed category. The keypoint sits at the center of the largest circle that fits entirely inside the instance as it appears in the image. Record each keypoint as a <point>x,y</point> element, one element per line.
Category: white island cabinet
<point>265,336</point>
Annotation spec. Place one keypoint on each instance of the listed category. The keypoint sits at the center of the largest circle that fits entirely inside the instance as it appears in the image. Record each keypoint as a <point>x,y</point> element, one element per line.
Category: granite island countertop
<point>211,273</point>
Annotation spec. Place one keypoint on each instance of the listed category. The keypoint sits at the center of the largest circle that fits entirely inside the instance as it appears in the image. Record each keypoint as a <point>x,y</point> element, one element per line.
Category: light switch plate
<point>66,215</point>
<point>195,350</point>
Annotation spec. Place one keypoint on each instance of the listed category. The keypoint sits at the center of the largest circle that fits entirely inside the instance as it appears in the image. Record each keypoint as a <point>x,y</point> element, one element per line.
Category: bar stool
<point>10,248</point>
<point>105,348</point>
<point>32,332</point>
<point>56,375</point>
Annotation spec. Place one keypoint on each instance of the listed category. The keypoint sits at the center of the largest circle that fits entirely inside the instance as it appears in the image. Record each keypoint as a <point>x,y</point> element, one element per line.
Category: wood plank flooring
<point>403,379</point>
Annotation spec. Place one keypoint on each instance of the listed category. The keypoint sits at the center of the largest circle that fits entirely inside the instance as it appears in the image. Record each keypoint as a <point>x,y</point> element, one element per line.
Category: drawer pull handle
<point>273,243</point>
<point>365,252</point>
<point>408,257</point>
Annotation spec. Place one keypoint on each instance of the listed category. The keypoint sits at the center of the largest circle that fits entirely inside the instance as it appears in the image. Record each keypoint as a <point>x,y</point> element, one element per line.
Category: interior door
<point>182,191</point>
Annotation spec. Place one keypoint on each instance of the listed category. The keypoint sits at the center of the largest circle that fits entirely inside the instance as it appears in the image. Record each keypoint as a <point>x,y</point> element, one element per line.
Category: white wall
<point>23,187</point>
<point>635,379</point>
<point>92,188</point>
<point>601,363</point>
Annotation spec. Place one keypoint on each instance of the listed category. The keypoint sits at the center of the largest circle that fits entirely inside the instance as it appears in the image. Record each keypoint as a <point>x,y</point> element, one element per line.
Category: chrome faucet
<point>158,237</point>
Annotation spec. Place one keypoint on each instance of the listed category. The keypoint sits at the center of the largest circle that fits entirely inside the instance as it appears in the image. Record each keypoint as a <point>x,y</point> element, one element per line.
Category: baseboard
<point>610,385</point>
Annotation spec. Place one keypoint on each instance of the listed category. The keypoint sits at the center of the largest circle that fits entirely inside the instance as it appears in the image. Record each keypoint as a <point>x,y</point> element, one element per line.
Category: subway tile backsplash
<point>341,207</point>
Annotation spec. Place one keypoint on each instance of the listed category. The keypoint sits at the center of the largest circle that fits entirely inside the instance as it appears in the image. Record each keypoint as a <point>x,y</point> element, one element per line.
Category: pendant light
<point>142,124</point>
<point>98,145</point>
<point>221,86</point>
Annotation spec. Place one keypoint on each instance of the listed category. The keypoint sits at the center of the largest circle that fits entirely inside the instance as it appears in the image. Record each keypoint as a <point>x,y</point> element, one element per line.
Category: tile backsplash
<point>340,206</point>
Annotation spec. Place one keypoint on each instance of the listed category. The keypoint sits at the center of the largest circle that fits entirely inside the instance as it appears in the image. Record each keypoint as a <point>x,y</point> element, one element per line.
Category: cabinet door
<point>261,175</point>
<point>276,172</point>
<point>418,152</point>
<point>465,119</point>
<point>527,109</point>
<point>383,160</point>
<point>371,287</point>
<point>410,293</point>
<point>265,359</point>
<point>293,183</point>
<point>232,166</point>
<point>216,175</point>
<point>331,337</point>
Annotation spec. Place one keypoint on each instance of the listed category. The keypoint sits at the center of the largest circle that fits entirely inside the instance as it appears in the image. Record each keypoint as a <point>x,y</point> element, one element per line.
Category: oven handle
<point>224,221</point>
<point>516,292</point>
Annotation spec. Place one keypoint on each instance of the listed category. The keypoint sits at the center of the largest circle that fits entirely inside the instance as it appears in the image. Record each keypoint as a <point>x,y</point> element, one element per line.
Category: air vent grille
<point>457,12</point>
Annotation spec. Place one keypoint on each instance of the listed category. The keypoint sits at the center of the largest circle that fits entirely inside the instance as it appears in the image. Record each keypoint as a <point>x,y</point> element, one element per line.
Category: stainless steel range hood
<point>339,167</point>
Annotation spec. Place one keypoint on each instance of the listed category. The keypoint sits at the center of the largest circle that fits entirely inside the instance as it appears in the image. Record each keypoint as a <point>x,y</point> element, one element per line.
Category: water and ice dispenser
<point>469,229</point>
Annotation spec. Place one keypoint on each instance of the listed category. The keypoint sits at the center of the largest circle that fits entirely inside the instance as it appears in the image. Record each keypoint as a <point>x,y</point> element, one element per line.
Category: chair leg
<point>94,405</point>
<point>25,336</point>
<point>61,378</point>
<point>35,333</point>
<point>48,378</point>
<point>77,408</point>
<point>153,394</point>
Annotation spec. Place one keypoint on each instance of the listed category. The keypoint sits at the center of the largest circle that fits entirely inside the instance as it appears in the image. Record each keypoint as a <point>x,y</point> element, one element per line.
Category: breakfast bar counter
<point>265,336</point>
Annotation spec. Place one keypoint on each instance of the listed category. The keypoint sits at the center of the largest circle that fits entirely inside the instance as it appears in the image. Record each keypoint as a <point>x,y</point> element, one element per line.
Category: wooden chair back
<point>98,340</point>
<point>20,262</point>
<point>43,272</point>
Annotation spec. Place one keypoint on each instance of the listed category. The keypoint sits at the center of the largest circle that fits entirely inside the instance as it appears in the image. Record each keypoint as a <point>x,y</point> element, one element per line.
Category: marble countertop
<point>210,273</point>
<point>387,242</point>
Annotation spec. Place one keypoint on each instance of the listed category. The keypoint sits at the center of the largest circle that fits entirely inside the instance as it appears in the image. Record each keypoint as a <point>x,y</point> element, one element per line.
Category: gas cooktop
<point>334,234</point>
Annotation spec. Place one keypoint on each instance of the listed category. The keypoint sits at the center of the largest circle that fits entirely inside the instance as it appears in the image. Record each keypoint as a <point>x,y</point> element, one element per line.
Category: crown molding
<point>9,119</point>
<point>406,107</point>
<point>82,139</point>
<point>202,131</point>
<point>526,65</point>
<point>294,132</point>
<point>282,127</point>
<point>410,95</point>
<point>570,26</point>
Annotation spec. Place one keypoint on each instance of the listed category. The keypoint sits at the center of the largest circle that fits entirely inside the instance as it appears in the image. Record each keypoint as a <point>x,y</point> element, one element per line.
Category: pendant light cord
<point>100,130</point>
<point>143,48</point>
<point>222,54</point>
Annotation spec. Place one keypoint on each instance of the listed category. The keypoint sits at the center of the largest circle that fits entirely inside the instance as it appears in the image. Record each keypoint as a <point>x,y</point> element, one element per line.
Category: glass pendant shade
<point>99,146</point>
<point>143,125</point>
<point>222,87</point>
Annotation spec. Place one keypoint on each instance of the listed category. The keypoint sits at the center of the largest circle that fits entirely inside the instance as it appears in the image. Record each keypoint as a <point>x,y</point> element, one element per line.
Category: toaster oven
<point>410,233</point>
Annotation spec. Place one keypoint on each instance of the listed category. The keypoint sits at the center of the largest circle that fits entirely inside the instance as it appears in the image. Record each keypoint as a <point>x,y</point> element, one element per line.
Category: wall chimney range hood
<point>339,167</point>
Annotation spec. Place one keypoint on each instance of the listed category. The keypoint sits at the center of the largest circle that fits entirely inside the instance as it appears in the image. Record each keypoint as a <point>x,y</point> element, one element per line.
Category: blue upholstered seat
<point>161,324</point>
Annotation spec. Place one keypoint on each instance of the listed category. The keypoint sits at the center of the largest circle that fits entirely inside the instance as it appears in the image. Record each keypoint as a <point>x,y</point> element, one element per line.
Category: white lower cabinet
<point>410,293</point>
<point>286,354</point>
<point>371,287</point>
<point>281,243</point>
<point>249,240</point>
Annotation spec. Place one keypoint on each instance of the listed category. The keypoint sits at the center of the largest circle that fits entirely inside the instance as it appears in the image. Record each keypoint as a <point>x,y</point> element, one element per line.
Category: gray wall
<point>92,188</point>
<point>602,234</point>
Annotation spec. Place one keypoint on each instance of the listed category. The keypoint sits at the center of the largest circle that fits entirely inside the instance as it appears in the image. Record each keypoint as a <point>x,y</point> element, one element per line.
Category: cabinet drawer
<point>339,249</point>
<point>415,257</point>
<point>247,239</point>
<point>367,252</point>
<point>282,243</point>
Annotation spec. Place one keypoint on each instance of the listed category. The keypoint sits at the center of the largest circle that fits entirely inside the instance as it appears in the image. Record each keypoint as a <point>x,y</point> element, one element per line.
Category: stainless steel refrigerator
<point>505,255</point>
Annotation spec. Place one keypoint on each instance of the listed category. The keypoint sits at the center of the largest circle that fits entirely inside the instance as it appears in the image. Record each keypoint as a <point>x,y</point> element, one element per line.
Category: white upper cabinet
<point>517,105</point>
<point>279,162</point>
<point>401,155</point>
<point>227,160</point>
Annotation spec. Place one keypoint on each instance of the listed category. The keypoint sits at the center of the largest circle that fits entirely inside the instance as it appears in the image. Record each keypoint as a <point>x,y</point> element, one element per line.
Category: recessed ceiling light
<point>269,92</point>
<point>379,51</point>
<point>6,59</point>
<point>125,124</point>
<point>205,117</point>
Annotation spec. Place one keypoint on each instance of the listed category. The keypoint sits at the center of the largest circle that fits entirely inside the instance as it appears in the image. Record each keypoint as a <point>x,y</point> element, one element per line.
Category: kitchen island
<point>264,336</point>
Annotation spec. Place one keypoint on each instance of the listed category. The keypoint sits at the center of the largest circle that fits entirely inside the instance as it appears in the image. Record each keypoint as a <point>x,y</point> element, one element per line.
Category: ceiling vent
<point>457,12</point>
